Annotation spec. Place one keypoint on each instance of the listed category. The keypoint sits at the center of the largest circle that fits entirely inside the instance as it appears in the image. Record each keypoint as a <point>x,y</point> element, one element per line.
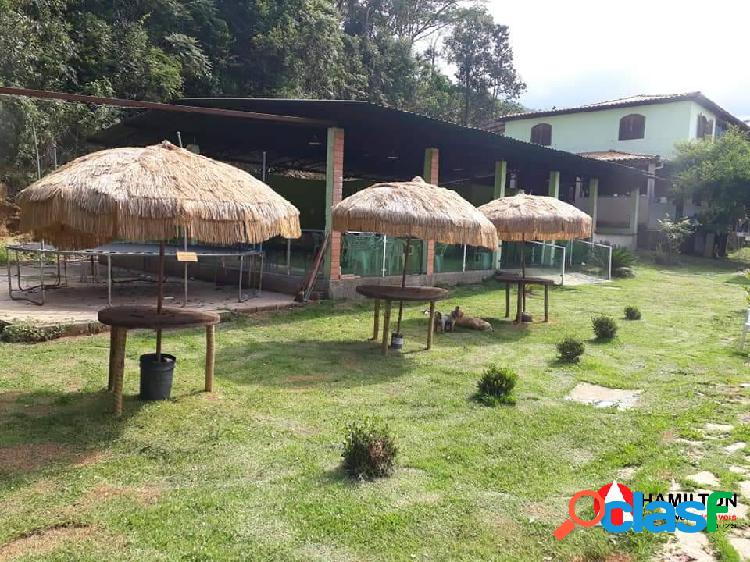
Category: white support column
<point>594,196</point>
<point>501,173</point>
<point>553,190</point>
<point>635,196</point>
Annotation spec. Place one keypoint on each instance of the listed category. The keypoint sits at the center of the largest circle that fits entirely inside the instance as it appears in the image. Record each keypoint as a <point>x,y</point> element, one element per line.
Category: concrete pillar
<point>334,188</point>
<point>594,196</point>
<point>553,190</point>
<point>651,185</point>
<point>501,172</point>
<point>635,196</point>
<point>430,174</point>
<point>554,184</point>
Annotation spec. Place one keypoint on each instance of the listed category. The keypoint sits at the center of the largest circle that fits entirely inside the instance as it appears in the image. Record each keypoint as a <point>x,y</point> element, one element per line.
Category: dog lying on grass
<point>447,322</point>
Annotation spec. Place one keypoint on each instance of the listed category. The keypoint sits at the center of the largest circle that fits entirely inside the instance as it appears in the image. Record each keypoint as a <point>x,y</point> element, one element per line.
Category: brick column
<point>334,187</point>
<point>430,174</point>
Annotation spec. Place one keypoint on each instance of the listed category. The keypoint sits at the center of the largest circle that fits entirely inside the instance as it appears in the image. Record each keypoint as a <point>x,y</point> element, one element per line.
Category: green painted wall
<point>666,124</point>
<point>309,196</point>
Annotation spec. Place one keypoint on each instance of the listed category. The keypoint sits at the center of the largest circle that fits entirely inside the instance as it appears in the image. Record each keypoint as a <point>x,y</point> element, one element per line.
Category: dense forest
<point>392,52</point>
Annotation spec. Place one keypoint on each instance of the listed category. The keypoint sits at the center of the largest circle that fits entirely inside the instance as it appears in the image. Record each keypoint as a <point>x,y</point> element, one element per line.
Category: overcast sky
<point>571,52</point>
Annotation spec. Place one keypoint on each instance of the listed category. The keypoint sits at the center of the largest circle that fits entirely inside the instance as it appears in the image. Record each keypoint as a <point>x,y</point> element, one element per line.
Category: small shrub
<point>496,385</point>
<point>369,450</point>
<point>632,313</point>
<point>622,262</point>
<point>570,349</point>
<point>605,327</point>
<point>23,332</point>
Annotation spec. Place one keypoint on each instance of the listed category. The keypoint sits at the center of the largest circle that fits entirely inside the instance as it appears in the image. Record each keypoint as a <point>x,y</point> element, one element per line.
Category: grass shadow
<point>312,363</point>
<point>45,431</point>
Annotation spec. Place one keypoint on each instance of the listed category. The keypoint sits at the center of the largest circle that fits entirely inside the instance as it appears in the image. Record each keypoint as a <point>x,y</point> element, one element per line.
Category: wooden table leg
<point>431,325</point>
<point>507,300</point>
<point>386,327</point>
<point>210,358</point>
<point>112,357</point>
<point>376,321</point>
<point>546,303</point>
<point>117,364</point>
<point>518,302</point>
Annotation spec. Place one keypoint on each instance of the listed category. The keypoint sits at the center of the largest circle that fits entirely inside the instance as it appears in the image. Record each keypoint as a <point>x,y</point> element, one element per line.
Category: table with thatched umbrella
<point>412,209</point>
<point>153,193</point>
<point>523,217</point>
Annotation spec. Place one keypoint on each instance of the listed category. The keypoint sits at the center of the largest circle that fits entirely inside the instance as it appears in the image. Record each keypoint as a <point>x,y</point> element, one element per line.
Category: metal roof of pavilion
<point>381,142</point>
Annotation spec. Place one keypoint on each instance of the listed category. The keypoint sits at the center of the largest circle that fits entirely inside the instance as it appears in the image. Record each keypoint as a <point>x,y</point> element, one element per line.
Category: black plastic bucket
<point>397,341</point>
<point>156,377</point>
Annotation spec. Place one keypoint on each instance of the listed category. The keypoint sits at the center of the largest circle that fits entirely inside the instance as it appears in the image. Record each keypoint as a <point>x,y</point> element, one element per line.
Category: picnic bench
<point>521,282</point>
<point>391,293</point>
<point>124,318</point>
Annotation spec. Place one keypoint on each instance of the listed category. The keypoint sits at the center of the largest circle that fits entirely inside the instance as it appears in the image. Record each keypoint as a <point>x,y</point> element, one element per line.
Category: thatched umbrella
<point>534,217</point>
<point>414,209</point>
<point>153,193</point>
<point>525,217</point>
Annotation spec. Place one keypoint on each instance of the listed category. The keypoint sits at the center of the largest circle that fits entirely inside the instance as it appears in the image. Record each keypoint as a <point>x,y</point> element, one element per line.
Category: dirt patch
<point>144,495</point>
<point>10,405</point>
<point>90,458</point>
<point>43,541</point>
<point>603,397</point>
<point>31,456</point>
<point>306,379</point>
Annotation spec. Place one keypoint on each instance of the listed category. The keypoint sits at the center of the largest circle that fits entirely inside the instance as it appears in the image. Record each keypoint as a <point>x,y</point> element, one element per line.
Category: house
<point>638,131</point>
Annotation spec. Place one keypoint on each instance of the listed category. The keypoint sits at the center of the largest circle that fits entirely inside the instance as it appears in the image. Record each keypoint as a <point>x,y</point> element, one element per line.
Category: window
<point>632,127</point>
<point>705,127</point>
<point>542,134</point>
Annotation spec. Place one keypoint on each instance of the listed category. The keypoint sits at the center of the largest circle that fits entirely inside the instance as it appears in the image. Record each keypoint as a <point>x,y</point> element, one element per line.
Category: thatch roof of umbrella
<point>148,194</point>
<point>415,209</point>
<point>534,217</point>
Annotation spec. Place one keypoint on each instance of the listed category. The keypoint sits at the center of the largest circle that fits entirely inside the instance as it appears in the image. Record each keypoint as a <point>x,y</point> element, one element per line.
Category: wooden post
<point>518,303</point>
<point>117,363</point>
<point>546,303</point>
<point>210,357</point>
<point>376,321</point>
<point>113,335</point>
<point>386,327</point>
<point>507,300</point>
<point>431,326</point>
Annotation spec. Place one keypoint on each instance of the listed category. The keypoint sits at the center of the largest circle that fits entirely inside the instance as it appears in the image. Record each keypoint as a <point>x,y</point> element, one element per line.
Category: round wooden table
<point>391,293</point>
<point>124,318</point>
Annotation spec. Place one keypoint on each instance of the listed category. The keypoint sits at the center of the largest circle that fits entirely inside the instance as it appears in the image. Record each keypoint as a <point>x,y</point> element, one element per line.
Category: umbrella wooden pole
<point>403,284</point>
<point>160,298</point>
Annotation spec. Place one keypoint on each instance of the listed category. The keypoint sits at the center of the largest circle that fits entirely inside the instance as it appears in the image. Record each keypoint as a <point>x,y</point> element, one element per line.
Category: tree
<point>716,174</point>
<point>481,51</point>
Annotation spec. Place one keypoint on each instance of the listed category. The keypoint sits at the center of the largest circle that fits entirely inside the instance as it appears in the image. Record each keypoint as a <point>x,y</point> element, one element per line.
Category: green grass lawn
<point>253,471</point>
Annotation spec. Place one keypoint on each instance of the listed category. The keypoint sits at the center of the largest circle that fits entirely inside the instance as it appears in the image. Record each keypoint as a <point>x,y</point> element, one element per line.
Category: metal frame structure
<point>118,249</point>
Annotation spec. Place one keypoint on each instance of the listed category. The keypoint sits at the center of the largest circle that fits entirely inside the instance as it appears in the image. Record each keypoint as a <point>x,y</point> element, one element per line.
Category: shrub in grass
<point>622,262</point>
<point>632,313</point>
<point>605,327</point>
<point>369,450</point>
<point>23,332</point>
<point>570,349</point>
<point>496,385</point>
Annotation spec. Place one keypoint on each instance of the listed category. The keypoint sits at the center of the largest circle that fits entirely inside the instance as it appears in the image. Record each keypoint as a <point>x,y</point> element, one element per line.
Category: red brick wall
<point>338,185</point>
<point>433,165</point>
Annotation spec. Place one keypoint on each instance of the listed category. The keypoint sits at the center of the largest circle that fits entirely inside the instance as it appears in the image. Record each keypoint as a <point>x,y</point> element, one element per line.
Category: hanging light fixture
<point>392,155</point>
<point>314,141</point>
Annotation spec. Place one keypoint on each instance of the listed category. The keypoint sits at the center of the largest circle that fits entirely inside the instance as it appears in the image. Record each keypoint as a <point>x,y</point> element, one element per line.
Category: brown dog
<point>469,322</point>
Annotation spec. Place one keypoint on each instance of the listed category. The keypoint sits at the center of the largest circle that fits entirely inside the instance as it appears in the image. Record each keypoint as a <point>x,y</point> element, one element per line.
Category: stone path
<point>603,397</point>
